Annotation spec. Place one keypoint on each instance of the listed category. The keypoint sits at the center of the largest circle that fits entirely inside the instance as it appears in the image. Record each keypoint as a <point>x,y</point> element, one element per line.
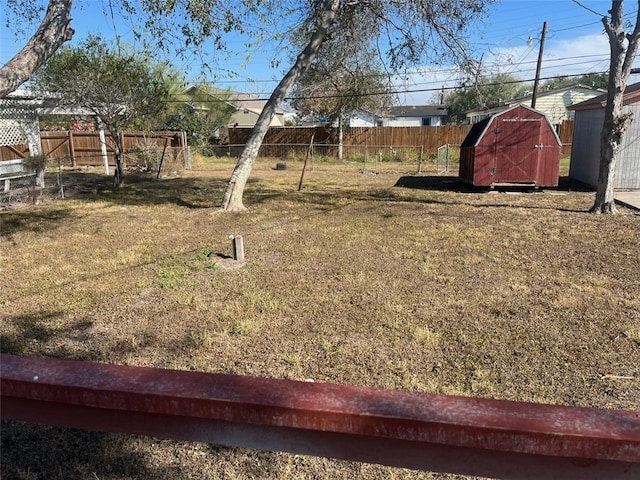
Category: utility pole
<point>539,66</point>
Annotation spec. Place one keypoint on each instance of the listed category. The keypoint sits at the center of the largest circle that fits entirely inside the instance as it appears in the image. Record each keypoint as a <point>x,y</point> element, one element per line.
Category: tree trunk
<point>54,30</point>
<point>232,200</point>
<point>624,49</point>
<point>118,147</point>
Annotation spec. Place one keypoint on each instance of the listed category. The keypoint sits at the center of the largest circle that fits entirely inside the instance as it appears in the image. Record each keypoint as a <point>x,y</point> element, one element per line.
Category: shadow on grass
<point>40,451</point>
<point>455,184</point>
<point>31,220</point>
<point>40,333</point>
<point>189,192</point>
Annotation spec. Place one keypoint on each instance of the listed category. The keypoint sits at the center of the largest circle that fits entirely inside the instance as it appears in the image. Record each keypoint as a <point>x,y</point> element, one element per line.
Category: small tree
<point>200,114</point>
<point>119,88</point>
<point>624,49</point>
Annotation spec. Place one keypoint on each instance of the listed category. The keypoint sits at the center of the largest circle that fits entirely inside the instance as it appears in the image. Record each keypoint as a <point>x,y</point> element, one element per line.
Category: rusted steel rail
<point>493,438</point>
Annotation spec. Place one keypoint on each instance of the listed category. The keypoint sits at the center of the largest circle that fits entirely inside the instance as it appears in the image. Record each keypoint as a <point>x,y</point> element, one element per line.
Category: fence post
<point>186,155</point>
<point>103,148</point>
<point>72,149</point>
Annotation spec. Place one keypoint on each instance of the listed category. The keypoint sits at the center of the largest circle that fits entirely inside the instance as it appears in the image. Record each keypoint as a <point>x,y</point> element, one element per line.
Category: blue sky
<point>508,40</point>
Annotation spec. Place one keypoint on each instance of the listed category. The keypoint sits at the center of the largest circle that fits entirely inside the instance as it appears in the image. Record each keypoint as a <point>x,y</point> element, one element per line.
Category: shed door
<point>517,150</point>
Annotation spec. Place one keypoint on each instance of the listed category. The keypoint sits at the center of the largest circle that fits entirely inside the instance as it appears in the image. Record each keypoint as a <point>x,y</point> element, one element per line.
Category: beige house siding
<point>247,107</point>
<point>554,104</point>
<point>245,117</point>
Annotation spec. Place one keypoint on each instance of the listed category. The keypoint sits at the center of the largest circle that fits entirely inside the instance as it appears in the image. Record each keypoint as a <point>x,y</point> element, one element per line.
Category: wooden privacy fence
<point>86,148</point>
<point>283,141</point>
<point>565,132</point>
<point>472,436</point>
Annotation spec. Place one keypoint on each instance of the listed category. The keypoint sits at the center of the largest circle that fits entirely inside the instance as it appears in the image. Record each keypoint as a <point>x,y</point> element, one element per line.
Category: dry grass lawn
<point>387,280</point>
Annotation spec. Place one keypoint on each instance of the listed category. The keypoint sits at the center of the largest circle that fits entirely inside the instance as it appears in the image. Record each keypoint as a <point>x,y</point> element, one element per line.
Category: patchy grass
<point>385,279</point>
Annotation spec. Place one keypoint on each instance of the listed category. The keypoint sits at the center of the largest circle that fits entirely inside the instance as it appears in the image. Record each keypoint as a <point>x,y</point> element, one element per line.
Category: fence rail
<point>407,429</point>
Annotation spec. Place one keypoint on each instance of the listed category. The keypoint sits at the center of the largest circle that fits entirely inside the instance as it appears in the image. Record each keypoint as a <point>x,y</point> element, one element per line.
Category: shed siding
<point>585,155</point>
<point>628,166</point>
<point>516,146</point>
<point>585,151</point>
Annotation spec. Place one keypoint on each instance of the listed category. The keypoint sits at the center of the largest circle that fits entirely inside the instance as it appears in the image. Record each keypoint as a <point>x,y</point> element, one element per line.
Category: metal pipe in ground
<point>238,247</point>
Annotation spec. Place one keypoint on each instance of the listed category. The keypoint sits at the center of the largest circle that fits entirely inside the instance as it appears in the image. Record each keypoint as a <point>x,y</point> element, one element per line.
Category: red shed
<point>517,146</point>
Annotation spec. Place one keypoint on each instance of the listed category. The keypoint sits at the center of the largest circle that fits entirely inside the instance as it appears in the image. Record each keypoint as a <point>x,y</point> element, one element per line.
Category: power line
<point>389,92</point>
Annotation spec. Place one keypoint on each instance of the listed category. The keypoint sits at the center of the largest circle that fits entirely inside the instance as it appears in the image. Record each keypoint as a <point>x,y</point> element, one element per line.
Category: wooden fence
<point>85,148</point>
<point>283,141</point>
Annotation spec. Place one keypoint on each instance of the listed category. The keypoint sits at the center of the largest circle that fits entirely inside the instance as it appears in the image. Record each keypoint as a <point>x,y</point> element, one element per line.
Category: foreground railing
<point>474,436</point>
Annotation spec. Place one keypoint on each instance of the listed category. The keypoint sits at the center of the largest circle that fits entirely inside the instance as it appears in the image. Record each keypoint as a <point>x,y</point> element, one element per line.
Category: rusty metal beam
<point>471,436</point>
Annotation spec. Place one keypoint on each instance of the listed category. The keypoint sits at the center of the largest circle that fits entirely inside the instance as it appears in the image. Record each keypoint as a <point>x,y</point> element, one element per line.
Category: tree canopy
<point>347,75</point>
<point>120,88</point>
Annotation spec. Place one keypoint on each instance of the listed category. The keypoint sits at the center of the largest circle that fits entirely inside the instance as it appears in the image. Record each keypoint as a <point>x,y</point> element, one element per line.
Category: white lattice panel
<point>19,124</point>
<point>12,134</point>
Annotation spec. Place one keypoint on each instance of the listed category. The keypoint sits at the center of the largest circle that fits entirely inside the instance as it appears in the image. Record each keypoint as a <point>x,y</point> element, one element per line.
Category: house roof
<point>527,98</point>
<point>553,91</point>
<point>631,95</point>
<point>437,110</point>
<point>237,99</point>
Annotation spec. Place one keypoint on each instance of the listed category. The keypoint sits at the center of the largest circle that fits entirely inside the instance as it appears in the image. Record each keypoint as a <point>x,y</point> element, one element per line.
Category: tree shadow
<point>455,184</point>
<point>41,451</point>
<point>31,220</point>
<point>41,333</point>
<point>144,189</point>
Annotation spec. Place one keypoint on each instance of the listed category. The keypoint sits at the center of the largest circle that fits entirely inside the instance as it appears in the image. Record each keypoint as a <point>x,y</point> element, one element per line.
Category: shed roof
<point>478,129</point>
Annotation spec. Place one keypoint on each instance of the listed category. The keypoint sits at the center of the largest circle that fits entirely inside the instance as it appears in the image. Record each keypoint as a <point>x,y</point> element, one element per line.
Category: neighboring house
<point>247,107</point>
<point>553,103</point>
<point>400,116</point>
<point>413,116</point>
<point>362,118</point>
<point>585,153</point>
